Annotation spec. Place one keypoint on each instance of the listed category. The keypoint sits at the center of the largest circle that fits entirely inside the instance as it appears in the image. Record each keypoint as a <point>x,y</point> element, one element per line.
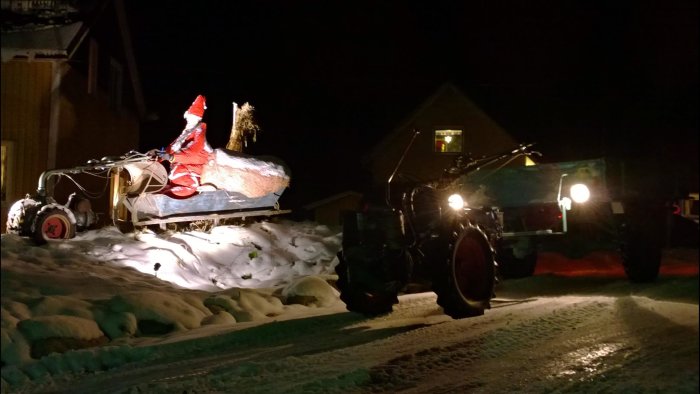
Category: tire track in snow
<point>353,370</point>
<point>600,352</point>
<point>405,372</point>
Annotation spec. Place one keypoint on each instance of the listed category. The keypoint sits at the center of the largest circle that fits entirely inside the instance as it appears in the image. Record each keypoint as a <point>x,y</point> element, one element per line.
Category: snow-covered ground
<point>122,290</point>
<point>249,309</point>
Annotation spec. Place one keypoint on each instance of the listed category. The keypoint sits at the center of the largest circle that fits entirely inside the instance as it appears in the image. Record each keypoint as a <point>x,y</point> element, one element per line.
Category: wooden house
<point>450,124</point>
<point>70,93</point>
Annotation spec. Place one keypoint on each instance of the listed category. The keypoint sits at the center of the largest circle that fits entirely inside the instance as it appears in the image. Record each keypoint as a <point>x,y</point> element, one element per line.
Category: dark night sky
<point>328,78</point>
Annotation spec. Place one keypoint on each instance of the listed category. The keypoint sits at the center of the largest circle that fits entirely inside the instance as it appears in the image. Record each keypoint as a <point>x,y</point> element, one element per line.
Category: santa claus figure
<point>188,153</point>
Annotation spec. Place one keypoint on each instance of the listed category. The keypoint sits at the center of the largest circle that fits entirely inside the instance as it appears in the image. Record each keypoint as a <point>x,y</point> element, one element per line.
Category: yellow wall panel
<point>26,88</point>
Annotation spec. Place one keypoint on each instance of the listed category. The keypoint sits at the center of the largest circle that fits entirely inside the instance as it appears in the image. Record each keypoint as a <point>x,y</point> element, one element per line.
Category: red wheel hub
<point>54,227</point>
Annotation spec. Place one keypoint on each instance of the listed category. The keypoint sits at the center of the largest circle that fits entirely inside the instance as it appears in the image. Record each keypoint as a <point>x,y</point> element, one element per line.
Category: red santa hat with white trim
<point>198,106</point>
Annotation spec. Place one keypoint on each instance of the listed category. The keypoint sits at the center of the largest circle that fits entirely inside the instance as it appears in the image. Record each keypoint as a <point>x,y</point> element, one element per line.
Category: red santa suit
<point>187,163</point>
<point>189,153</point>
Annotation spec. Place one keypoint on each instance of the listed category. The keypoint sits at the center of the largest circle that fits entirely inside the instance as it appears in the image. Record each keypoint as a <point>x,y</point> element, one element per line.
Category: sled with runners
<point>234,185</point>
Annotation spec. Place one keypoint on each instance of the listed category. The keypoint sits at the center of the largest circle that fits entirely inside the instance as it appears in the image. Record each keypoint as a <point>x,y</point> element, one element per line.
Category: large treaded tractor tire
<point>370,275</point>
<point>464,282</point>
<point>51,224</point>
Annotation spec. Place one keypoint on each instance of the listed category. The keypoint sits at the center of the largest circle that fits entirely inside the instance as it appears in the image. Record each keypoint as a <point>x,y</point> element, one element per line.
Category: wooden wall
<point>90,129</point>
<point>25,101</point>
<point>86,128</point>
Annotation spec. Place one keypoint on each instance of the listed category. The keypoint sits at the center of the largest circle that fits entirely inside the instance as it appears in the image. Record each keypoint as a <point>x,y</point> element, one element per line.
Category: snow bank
<point>104,287</point>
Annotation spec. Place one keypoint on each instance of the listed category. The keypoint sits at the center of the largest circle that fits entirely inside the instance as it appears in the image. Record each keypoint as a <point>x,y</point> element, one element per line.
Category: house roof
<point>445,88</point>
<point>43,37</point>
<point>51,41</point>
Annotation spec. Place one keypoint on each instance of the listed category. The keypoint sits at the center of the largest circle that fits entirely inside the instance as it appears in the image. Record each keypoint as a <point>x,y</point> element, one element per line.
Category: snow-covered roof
<point>52,41</point>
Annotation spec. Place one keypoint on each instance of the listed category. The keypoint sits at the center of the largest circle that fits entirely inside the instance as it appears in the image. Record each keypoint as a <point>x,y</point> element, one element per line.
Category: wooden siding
<point>25,102</point>
<point>54,122</point>
<point>86,129</point>
<point>90,129</point>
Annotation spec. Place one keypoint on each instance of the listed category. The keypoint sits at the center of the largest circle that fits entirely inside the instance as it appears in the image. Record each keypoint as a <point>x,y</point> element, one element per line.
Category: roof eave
<point>55,42</point>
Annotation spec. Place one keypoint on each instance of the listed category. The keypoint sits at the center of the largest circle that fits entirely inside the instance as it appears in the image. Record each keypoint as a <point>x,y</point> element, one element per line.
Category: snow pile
<point>77,293</point>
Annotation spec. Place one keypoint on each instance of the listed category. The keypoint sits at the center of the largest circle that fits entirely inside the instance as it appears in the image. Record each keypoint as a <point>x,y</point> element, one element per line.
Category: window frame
<point>437,129</point>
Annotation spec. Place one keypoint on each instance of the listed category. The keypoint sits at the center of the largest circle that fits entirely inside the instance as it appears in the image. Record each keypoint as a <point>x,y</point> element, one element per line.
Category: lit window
<point>448,141</point>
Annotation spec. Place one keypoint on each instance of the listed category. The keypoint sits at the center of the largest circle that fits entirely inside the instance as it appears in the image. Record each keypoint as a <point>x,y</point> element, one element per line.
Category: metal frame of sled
<point>136,181</point>
<point>154,208</point>
<point>214,217</point>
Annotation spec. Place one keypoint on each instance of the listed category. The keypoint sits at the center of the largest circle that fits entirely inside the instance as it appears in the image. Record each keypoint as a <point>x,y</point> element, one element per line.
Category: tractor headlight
<point>580,193</point>
<point>456,202</point>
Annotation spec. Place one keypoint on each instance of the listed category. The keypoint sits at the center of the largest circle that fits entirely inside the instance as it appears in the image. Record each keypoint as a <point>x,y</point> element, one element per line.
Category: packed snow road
<point>543,334</point>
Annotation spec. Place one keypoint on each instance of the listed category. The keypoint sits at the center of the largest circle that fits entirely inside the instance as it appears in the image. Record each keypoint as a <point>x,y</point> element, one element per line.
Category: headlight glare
<point>456,202</point>
<point>580,193</point>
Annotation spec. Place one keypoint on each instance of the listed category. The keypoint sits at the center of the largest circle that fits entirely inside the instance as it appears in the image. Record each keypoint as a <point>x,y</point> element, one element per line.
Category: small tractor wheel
<point>641,235</point>
<point>641,253</point>
<point>52,224</point>
<point>21,215</point>
<point>511,267</point>
<point>465,282</point>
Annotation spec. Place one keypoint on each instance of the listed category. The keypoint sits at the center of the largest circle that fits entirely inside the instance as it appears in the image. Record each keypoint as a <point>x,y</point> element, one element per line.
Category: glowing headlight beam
<point>456,202</point>
<point>580,193</point>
